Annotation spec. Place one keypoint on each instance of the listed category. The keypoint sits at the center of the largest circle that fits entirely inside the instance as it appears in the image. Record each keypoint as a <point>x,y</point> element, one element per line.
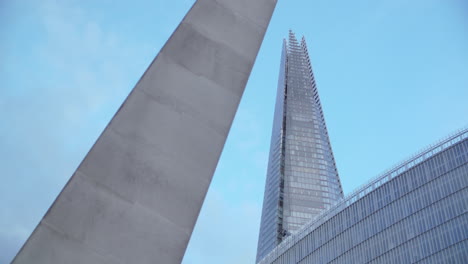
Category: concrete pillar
<point>136,196</point>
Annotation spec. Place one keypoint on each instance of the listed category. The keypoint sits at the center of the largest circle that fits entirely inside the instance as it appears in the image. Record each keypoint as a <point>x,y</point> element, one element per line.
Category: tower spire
<point>302,179</point>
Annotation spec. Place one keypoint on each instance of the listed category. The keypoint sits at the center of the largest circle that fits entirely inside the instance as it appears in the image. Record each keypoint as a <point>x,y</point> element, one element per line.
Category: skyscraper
<point>302,179</point>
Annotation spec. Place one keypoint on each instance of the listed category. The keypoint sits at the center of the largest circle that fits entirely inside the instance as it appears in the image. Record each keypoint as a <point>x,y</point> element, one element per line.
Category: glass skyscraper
<point>417,212</point>
<point>302,180</point>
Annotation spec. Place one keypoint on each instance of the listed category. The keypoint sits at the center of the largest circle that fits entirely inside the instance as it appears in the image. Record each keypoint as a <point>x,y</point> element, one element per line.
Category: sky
<point>392,77</point>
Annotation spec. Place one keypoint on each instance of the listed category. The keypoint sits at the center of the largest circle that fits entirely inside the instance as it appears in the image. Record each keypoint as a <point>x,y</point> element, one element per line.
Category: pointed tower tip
<point>292,36</point>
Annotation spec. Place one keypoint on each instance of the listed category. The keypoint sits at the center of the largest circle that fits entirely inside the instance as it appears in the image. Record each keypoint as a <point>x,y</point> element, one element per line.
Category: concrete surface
<point>136,196</point>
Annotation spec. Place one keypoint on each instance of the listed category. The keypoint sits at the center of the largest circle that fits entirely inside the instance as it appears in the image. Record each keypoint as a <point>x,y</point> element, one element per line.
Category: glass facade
<point>302,179</point>
<point>417,212</point>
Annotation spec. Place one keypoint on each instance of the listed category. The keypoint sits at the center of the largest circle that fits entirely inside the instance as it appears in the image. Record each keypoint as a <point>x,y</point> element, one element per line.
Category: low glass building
<point>416,212</point>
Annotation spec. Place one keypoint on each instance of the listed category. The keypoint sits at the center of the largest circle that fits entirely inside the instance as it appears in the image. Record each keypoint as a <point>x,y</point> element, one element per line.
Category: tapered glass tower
<point>302,179</point>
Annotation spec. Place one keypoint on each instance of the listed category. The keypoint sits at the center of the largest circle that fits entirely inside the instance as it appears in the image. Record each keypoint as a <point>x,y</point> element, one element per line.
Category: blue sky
<point>392,76</point>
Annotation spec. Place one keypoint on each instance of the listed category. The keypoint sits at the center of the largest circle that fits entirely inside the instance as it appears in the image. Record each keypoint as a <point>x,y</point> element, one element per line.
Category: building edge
<point>374,183</point>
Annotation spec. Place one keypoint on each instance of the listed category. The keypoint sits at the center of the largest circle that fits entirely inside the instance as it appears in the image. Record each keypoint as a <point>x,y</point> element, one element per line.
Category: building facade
<point>417,212</point>
<point>302,180</point>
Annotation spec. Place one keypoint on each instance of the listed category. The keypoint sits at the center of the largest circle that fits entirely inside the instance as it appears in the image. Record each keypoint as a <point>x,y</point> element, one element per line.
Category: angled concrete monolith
<point>136,196</point>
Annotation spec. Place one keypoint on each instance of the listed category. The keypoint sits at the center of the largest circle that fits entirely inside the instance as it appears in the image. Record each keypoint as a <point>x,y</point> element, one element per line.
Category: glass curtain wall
<point>302,179</point>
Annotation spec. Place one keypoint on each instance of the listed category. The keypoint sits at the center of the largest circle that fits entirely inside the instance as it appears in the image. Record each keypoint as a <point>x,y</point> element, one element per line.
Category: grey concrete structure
<point>137,194</point>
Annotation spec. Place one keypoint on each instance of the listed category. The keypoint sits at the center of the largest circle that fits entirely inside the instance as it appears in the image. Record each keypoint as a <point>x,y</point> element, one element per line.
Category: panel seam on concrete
<point>108,190</point>
<point>171,60</point>
<point>242,19</point>
<point>164,219</point>
<point>153,146</point>
<point>242,16</point>
<point>224,45</point>
<point>90,179</point>
<point>58,232</point>
<point>192,112</point>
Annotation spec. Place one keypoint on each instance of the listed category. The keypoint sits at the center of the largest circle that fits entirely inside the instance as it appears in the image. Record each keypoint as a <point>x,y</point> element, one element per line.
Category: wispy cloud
<point>58,92</point>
